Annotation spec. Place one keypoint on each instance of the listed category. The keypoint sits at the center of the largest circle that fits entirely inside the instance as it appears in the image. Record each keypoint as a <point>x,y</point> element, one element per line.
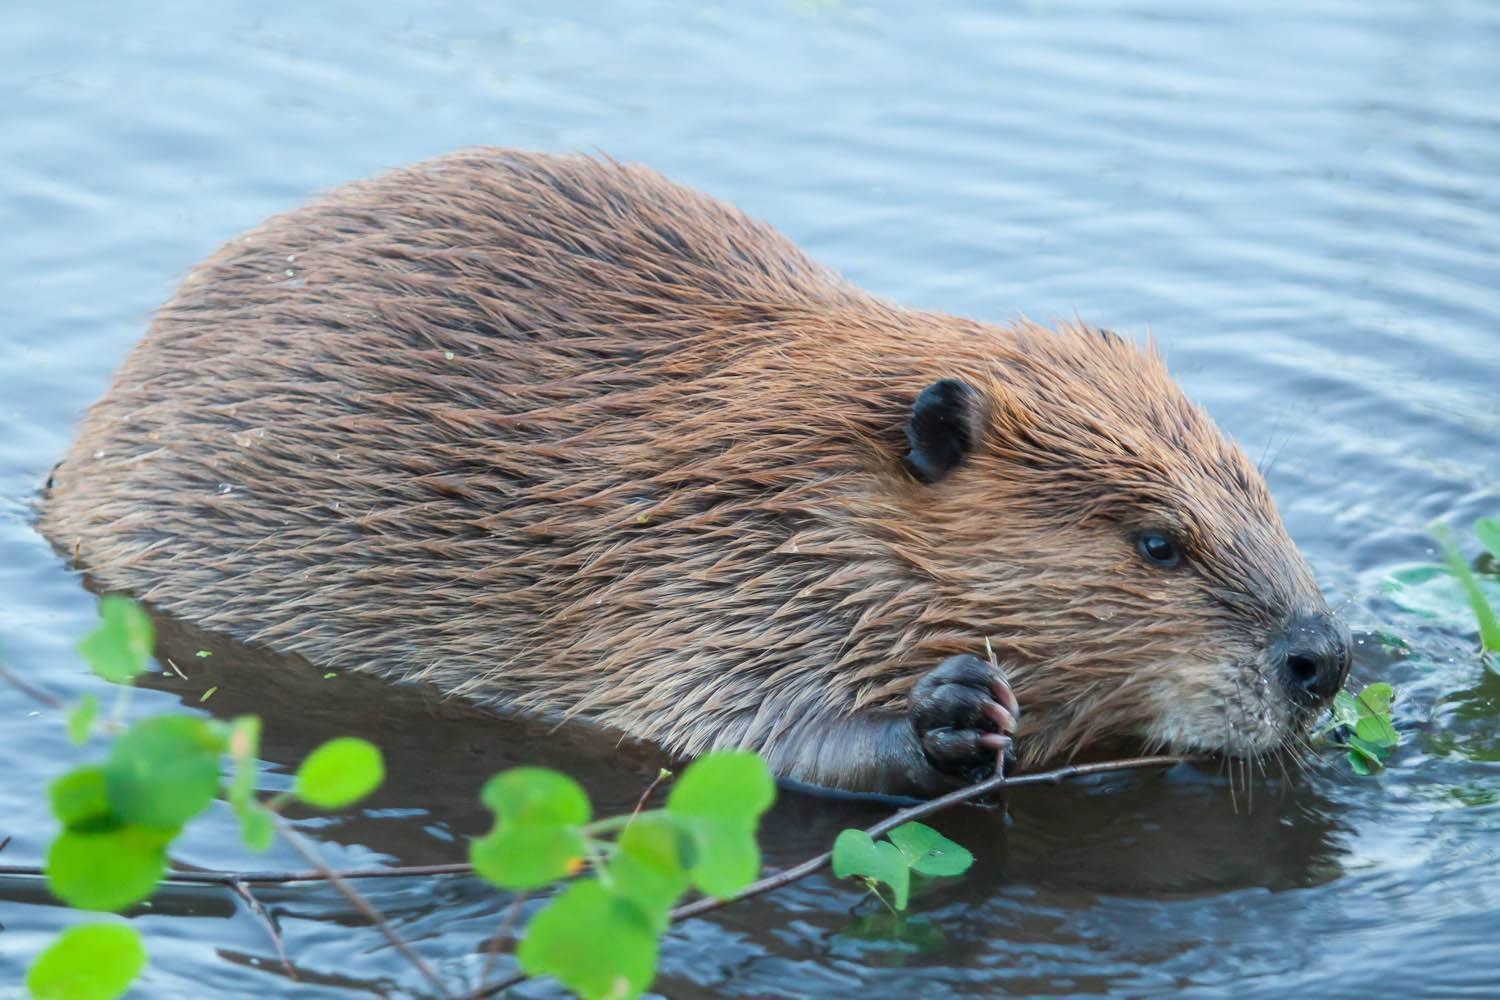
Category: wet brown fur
<point>558,434</point>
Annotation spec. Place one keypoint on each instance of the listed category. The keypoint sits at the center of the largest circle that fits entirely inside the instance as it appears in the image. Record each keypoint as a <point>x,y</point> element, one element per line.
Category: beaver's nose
<point>1315,652</point>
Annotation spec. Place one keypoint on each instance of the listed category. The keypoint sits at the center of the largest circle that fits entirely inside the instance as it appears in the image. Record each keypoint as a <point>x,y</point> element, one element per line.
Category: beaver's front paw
<point>963,713</point>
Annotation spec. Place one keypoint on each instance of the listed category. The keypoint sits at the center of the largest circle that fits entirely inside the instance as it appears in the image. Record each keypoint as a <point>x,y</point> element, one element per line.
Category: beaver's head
<point>1122,555</point>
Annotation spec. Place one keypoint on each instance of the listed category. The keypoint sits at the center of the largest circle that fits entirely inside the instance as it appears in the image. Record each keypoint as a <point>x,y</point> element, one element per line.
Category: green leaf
<point>929,852</point>
<point>535,796</point>
<point>120,646</point>
<point>1487,530</point>
<point>524,857</point>
<point>81,719</point>
<point>717,802</point>
<point>106,870</point>
<point>79,799</point>
<point>1345,709</point>
<point>164,770</point>
<point>650,869</point>
<point>593,942</point>
<point>1377,731</point>
<point>339,773</point>
<point>1360,765</point>
<point>537,837</point>
<point>854,853</point>
<point>257,828</point>
<point>730,785</point>
<point>1375,699</point>
<point>725,857</point>
<point>87,962</point>
<point>1373,755</point>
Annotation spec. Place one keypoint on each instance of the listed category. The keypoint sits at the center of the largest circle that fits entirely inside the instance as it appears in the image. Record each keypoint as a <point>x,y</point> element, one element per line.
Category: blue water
<point>1299,202</point>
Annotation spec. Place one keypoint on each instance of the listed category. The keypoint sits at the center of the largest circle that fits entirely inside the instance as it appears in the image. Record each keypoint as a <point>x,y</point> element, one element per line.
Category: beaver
<point>554,433</point>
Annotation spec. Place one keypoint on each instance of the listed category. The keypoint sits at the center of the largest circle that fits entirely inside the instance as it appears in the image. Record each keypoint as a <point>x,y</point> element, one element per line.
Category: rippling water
<point>1299,201</point>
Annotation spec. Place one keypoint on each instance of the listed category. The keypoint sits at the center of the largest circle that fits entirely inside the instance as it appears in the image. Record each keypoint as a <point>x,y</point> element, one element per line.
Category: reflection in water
<point>1176,834</point>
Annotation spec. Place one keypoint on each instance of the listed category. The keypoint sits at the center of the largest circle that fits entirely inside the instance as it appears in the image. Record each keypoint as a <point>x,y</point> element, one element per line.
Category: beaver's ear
<point>942,429</point>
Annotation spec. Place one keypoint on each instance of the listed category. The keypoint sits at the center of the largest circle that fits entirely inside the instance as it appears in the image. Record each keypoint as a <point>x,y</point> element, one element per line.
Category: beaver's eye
<point>1158,549</point>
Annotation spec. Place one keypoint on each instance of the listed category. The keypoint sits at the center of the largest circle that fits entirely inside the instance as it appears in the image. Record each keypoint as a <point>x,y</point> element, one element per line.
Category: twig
<point>997,783</point>
<point>31,690</point>
<point>243,891</point>
<point>492,946</point>
<point>640,804</point>
<point>921,809</point>
<point>362,904</point>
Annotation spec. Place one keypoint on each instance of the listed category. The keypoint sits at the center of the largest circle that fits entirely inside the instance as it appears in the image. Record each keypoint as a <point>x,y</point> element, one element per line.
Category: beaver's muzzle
<point>1313,657</point>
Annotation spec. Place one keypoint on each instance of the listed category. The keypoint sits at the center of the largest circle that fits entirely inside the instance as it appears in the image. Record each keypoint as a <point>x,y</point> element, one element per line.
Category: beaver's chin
<point>1243,714</point>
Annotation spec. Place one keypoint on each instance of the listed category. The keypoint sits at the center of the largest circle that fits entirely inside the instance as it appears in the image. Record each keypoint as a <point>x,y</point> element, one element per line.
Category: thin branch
<point>497,939</point>
<point>32,691</point>
<point>998,783</point>
<point>640,804</point>
<point>362,904</point>
<point>243,891</point>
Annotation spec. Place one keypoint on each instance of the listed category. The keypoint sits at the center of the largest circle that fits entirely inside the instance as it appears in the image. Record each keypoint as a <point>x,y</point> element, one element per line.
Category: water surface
<point>1300,202</point>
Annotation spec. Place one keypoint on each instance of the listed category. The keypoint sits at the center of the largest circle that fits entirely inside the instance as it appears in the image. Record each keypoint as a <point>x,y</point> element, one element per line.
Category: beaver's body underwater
<point>557,434</point>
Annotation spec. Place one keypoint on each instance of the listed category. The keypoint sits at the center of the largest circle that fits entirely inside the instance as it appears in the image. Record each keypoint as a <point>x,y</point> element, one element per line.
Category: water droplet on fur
<point>99,453</point>
<point>448,355</point>
<point>225,489</point>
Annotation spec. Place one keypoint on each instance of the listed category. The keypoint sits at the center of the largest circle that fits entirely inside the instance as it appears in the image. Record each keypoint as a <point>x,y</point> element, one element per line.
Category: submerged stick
<point>243,891</point>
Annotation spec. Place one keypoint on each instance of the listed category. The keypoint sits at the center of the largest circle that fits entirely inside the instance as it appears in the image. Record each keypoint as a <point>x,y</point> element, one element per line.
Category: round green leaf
<point>929,852</point>
<point>524,857</point>
<point>1375,699</point>
<point>733,786</point>
<point>164,770</point>
<point>107,870</point>
<point>257,828</point>
<point>120,646</point>
<point>725,856</point>
<point>1374,756</point>
<point>79,799</point>
<point>1360,765</point>
<point>535,796</point>
<point>81,719</point>
<point>1345,709</point>
<point>854,853</point>
<point>596,944</point>
<point>651,867</point>
<point>339,773</point>
<point>88,962</point>
<point>1377,731</point>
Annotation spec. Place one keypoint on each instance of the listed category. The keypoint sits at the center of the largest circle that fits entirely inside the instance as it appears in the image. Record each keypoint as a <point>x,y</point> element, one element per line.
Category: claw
<point>1005,696</point>
<point>1003,719</point>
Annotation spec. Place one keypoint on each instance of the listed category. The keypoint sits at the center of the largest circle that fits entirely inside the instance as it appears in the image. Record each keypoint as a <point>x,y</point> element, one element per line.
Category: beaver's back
<point>514,423</point>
